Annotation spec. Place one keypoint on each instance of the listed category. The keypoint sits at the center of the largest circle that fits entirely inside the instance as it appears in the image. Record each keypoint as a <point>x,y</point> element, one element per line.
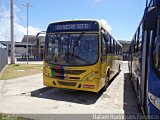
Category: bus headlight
<point>90,77</point>
<point>155,100</point>
<point>92,74</point>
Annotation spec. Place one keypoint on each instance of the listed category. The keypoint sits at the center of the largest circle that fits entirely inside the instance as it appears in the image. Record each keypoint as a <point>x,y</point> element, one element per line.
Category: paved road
<point>27,95</point>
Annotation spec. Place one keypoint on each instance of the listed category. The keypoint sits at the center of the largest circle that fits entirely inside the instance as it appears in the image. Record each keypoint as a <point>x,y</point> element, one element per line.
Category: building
<point>20,47</point>
<point>125,45</point>
<point>35,48</point>
<point>4,59</point>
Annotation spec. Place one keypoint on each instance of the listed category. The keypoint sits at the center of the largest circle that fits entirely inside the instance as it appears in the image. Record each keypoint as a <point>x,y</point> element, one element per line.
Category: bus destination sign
<point>73,26</point>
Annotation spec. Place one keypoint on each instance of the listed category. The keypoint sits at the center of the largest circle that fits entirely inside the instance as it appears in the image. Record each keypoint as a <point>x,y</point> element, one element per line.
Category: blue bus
<point>144,60</point>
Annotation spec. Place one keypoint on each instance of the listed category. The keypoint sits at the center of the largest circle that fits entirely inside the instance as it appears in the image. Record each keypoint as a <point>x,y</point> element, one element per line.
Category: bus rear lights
<point>88,86</point>
<point>155,100</point>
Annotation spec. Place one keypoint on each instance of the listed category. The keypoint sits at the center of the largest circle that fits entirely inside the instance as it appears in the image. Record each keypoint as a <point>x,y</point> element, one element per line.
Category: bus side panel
<point>115,61</point>
<point>153,84</point>
<point>153,80</point>
<point>135,64</point>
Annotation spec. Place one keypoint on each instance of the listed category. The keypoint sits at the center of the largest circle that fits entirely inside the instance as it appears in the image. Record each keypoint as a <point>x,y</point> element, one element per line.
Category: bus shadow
<point>73,96</point>
<point>130,101</point>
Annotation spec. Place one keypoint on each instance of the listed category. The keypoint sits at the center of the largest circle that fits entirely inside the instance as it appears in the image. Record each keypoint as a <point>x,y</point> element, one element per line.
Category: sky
<point>121,17</point>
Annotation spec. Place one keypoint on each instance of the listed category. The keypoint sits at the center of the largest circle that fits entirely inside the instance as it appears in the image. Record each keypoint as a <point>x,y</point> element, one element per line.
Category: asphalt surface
<point>29,97</point>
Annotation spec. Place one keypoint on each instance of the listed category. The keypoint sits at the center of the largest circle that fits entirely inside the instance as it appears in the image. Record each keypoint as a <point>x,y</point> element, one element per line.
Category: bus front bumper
<point>92,86</point>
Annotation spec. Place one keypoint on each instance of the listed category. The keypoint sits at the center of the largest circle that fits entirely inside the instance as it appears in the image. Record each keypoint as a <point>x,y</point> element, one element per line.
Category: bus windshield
<point>71,49</point>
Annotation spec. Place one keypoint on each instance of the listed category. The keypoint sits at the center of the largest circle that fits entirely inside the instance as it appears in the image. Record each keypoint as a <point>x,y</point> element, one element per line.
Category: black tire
<point>106,83</point>
<point>119,69</point>
<point>105,87</point>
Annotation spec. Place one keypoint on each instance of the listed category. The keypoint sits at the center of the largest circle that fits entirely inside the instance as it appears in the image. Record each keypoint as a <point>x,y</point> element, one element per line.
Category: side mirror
<point>37,42</point>
<point>150,18</point>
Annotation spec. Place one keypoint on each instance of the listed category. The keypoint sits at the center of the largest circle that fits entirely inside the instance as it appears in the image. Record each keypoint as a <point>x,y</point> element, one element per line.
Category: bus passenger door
<point>103,58</point>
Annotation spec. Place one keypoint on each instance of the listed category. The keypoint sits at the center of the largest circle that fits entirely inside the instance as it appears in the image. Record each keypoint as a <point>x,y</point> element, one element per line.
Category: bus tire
<point>105,87</point>
<point>119,69</point>
<point>106,82</point>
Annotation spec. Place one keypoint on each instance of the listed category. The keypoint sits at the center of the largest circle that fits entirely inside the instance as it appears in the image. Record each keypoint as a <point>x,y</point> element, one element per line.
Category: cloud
<point>19,30</point>
<point>105,23</point>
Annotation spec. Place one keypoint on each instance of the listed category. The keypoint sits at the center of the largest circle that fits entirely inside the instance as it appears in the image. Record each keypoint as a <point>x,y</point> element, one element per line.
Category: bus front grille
<point>67,83</point>
<point>74,72</point>
<point>74,78</point>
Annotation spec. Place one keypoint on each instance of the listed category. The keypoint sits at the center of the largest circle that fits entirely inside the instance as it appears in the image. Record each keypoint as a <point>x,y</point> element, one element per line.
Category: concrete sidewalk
<point>20,85</point>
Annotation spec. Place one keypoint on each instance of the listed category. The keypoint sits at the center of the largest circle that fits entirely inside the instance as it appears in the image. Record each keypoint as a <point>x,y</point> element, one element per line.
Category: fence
<point>3,57</point>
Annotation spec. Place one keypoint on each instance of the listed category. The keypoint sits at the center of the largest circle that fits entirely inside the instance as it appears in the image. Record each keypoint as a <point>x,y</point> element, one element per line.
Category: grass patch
<point>20,70</point>
<point>12,117</point>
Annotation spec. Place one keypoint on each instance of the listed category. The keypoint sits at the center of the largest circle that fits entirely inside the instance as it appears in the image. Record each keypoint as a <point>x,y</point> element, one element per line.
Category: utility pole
<point>27,5</point>
<point>12,33</point>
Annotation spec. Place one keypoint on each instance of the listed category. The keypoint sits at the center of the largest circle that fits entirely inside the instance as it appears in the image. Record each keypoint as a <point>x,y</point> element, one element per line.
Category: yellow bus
<point>80,55</point>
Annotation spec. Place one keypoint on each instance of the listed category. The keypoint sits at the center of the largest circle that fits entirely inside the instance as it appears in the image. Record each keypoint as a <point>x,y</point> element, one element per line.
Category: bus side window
<point>116,49</point>
<point>134,45</point>
<point>108,48</point>
<point>104,49</point>
<point>110,45</point>
<point>137,45</point>
<point>140,37</point>
<point>113,47</point>
<point>120,51</point>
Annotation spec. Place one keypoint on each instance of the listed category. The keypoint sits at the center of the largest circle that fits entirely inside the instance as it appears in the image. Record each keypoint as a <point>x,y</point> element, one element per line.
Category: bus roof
<point>75,20</point>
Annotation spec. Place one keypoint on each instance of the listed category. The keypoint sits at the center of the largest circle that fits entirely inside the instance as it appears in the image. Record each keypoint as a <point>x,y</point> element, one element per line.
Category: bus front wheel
<point>106,82</point>
<point>119,69</point>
